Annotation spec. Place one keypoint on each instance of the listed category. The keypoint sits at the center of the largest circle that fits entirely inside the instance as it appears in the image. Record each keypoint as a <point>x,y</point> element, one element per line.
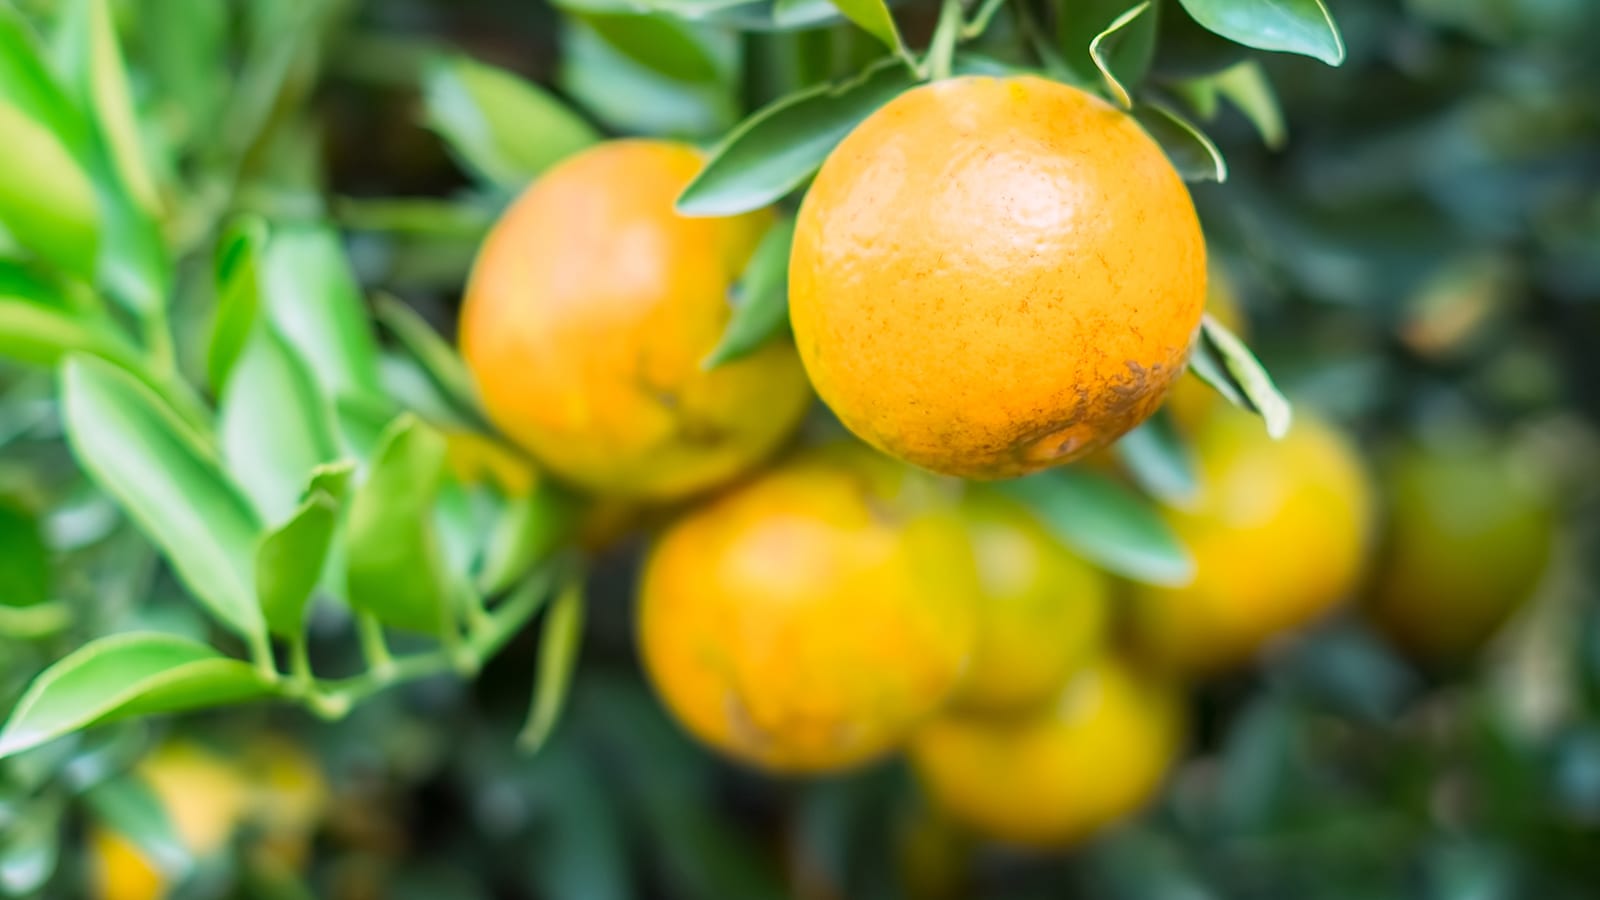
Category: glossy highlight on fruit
<point>991,276</point>
<point>808,619</point>
<point>591,307</point>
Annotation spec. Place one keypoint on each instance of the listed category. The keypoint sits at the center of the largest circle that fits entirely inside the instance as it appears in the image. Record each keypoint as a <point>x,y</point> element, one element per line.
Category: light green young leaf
<point>559,643</point>
<point>46,198</point>
<point>41,335</point>
<point>289,563</point>
<point>1223,361</point>
<point>1106,523</point>
<point>761,308</point>
<point>783,143</point>
<point>238,282</point>
<point>1292,26</point>
<point>873,17</point>
<point>1247,87</point>
<point>139,452</point>
<point>1192,153</point>
<point>94,59</point>
<point>123,675</point>
<point>314,300</point>
<point>127,805</point>
<point>395,566</point>
<point>1104,46</point>
<point>505,127</point>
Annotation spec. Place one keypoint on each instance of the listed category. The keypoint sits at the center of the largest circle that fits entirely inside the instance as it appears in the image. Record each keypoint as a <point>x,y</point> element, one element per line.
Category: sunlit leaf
<point>1293,26</point>
<point>1224,362</point>
<point>1246,86</point>
<point>312,296</point>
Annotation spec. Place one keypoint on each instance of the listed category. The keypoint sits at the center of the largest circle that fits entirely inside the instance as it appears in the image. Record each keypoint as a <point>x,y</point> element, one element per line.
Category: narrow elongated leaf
<point>1247,87</point>
<point>1157,458</point>
<point>1292,26</point>
<point>503,126</point>
<point>289,563</point>
<point>314,300</point>
<point>273,423</point>
<point>529,529</point>
<point>46,198</point>
<point>761,307</point>
<point>437,358</point>
<point>138,451</point>
<point>630,98</point>
<point>42,335</point>
<point>238,279</point>
<point>395,564</point>
<point>1122,31</point>
<point>1107,524</point>
<point>134,673</point>
<point>1192,153</point>
<point>1224,362</point>
<point>27,84</point>
<point>559,642</point>
<point>95,59</point>
<point>873,17</point>
<point>783,143</point>
<point>1126,50</point>
<point>126,805</point>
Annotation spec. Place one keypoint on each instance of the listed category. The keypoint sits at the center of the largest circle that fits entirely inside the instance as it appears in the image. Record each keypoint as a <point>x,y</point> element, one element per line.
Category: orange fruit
<point>1042,611</point>
<point>589,311</point>
<point>806,620</point>
<point>1469,534</point>
<point>991,276</point>
<point>1279,532</point>
<point>1092,757</point>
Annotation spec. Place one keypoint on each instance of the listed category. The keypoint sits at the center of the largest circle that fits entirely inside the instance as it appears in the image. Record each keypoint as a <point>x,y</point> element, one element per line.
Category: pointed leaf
<point>395,563</point>
<point>273,424</point>
<point>289,563</point>
<point>873,17</point>
<point>238,280</point>
<point>1247,87</point>
<point>443,366</point>
<point>135,673</point>
<point>138,451</point>
<point>1107,524</point>
<point>1105,45</point>
<point>559,642</point>
<point>46,199</point>
<point>1292,26</point>
<point>1126,51</point>
<point>314,300</point>
<point>1192,153</point>
<point>779,147</point>
<point>505,127</point>
<point>761,310</point>
<point>96,59</point>
<point>128,806</point>
<point>41,335</point>
<point>1159,460</point>
<point>1224,362</point>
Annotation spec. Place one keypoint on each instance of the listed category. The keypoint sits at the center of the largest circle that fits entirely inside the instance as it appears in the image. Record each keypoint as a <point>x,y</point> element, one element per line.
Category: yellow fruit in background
<point>1042,611</point>
<point>995,275</point>
<point>808,619</point>
<point>1469,534</point>
<point>1191,399</point>
<point>1279,532</point>
<point>589,311</point>
<point>205,798</point>
<point>1094,756</point>
<point>289,798</point>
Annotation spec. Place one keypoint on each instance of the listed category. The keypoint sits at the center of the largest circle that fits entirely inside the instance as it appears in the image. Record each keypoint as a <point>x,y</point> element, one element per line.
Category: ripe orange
<point>590,308</point>
<point>1042,611</point>
<point>808,619</point>
<point>995,275</point>
<point>1094,756</point>
<point>1469,533</point>
<point>1279,532</point>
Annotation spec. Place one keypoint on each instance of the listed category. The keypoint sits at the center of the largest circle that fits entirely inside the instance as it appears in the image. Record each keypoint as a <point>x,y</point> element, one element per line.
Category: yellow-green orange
<point>1042,611</point>
<point>808,619</point>
<point>1094,756</point>
<point>995,275</point>
<point>590,309</point>
<point>1279,532</point>
<point>1470,530</point>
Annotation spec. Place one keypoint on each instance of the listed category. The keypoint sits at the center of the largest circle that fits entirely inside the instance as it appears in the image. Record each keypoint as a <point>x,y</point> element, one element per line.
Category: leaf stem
<point>980,21</point>
<point>374,648</point>
<point>941,50</point>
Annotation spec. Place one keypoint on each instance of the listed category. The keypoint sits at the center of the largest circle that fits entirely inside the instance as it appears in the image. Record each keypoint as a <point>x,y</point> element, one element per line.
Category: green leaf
<point>238,280</point>
<point>665,45</point>
<point>1132,30</point>
<point>314,300</point>
<point>506,128</point>
<point>782,144</point>
<point>27,84</point>
<point>1247,87</point>
<point>94,58</point>
<point>761,309</point>
<point>1192,153</point>
<point>41,335</point>
<point>873,17</point>
<point>559,642</point>
<point>24,558</point>
<point>127,806</point>
<point>138,451</point>
<point>1107,524</point>
<point>395,564</point>
<point>273,424</point>
<point>1224,362</point>
<point>443,366</point>
<point>289,563</point>
<point>1292,26</point>
<point>528,529</point>
<point>46,198</point>
<point>30,850</point>
<point>1159,461</point>
<point>134,673</point>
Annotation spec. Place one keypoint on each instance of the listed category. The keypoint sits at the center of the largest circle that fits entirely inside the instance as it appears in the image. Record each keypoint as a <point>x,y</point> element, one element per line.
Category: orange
<point>807,620</point>
<point>1469,534</point>
<point>1042,611</point>
<point>1279,532</point>
<point>991,276</point>
<point>1094,756</point>
<point>589,311</point>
